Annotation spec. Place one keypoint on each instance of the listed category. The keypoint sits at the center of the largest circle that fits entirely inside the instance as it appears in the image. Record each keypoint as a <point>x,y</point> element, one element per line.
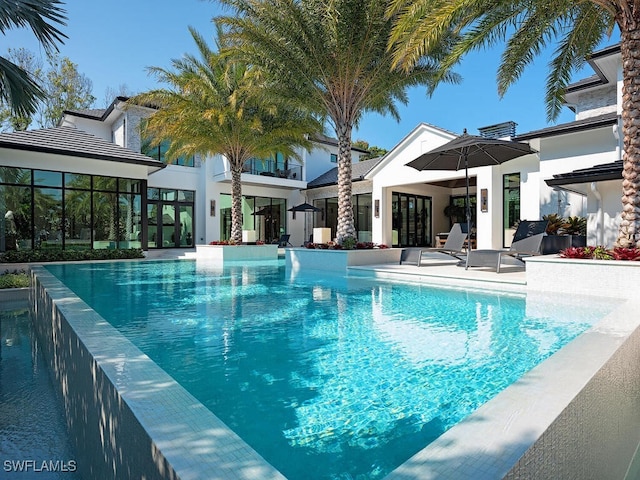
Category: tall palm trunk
<point>236,201</point>
<point>346,226</point>
<point>629,233</point>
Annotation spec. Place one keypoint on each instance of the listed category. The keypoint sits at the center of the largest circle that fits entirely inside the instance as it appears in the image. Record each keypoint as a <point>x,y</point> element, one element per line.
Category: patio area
<point>442,270</point>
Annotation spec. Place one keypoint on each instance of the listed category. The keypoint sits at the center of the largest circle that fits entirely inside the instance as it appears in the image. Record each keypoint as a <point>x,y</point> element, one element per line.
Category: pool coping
<point>523,413</point>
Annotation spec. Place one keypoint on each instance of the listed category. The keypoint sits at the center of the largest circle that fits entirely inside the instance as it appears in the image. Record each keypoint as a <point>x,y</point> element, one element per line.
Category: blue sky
<point>113,41</point>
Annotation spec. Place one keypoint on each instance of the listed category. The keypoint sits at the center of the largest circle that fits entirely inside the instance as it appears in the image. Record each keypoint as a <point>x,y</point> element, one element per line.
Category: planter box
<point>554,243</point>
<point>575,276</point>
<point>234,253</point>
<point>338,260</point>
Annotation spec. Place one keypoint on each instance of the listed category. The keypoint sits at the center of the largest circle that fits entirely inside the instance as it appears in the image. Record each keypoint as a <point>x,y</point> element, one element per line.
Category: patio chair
<point>454,244</point>
<point>283,241</point>
<point>527,242</point>
<point>412,256</point>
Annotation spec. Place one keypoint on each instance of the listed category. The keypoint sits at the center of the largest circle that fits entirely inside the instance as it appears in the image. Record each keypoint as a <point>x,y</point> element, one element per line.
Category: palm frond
<point>18,89</point>
<point>40,16</point>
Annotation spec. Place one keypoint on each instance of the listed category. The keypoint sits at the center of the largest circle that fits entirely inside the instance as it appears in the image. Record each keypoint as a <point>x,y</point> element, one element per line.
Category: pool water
<point>34,442</point>
<point>328,377</point>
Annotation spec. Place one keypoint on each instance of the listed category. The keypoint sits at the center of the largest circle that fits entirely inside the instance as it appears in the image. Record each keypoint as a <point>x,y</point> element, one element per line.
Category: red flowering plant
<point>577,252</point>
<point>223,242</point>
<point>620,253</point>
<point>602,253</point>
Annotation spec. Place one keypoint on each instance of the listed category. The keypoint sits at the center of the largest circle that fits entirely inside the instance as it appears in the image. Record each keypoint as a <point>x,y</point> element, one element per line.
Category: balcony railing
<point>269,168</point>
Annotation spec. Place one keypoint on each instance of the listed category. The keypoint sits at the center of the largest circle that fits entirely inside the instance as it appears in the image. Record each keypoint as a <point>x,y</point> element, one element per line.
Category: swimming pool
<point>339,377</point>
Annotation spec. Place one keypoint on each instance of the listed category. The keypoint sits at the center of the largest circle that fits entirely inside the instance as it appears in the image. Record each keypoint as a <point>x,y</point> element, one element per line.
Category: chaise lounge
<point>527,242</point>
<point>452,246</point>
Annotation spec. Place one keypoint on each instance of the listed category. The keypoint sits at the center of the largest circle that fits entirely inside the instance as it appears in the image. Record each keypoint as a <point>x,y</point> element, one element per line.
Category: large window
<point>159,153</point>
<point>275,166</point>
<point>328,215</point>
<point>45,209</point>
<point>266,215</point>
<point>511,205</point>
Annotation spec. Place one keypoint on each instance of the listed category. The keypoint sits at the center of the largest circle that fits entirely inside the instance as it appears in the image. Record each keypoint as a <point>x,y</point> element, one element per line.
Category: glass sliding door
<point>411,220</point>
<point>266,215</point>
<point>511,205</point>
<point>170,216</point>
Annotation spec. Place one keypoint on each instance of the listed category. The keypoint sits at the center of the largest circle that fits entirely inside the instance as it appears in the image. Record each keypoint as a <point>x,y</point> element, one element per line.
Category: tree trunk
<point>236,202</point>
<point>629,232</point>
<point>346,227</point>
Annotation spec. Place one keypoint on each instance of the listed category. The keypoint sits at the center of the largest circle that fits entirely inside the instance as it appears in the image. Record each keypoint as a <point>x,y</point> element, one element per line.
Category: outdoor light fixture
<point>484,200</point>
<point>212,208</point>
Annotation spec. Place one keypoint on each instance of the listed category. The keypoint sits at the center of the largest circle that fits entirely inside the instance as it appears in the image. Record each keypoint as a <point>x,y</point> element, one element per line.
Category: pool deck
<point>448,273</point>
<point>438,269</point>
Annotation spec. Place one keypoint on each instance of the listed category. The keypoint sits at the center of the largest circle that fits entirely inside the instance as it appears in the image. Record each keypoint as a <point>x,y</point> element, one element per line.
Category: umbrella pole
<point>468,210</point>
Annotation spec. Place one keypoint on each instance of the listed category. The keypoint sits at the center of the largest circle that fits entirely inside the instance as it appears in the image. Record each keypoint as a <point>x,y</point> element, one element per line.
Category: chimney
<point>499,130</point>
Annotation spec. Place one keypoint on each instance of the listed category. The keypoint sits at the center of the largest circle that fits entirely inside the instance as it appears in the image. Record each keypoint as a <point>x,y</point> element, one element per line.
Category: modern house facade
<point>94,182</point>
<point>175,204</point>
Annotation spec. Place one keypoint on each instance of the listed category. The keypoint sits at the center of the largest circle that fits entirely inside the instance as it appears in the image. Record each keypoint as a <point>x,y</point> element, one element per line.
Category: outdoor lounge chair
<point>283,241</point>
<point>452,247</point>
<point>411,256</point>
<point>527,242</point>
<point>454,244</point>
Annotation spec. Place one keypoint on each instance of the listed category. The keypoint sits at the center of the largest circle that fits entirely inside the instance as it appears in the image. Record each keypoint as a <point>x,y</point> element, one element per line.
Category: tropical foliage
<point>50,255</point>
<point>527,27</point>
<point>333,57</point>
<point>17,87</point>
<point>14,279</point>
<point>215,104</point>
<point>602,253</point>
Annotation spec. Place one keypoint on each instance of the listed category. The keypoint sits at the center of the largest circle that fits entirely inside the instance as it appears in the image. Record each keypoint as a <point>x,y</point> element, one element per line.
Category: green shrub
<point>15,279</point>
<point>29,256</point>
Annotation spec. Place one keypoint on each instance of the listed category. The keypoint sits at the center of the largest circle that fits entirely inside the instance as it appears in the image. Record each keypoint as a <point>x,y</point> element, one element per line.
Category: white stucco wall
<point>99,129</point>
<point>565,154</point>
<point>47,161</point>
<point>603,218</point>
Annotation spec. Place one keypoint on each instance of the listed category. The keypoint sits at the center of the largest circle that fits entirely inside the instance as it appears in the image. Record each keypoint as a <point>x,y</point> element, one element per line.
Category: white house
<point>107,188</point>
<point>93,182</point>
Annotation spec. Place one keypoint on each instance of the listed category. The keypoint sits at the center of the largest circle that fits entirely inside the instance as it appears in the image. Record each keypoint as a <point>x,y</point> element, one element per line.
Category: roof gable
<point>431,136</point>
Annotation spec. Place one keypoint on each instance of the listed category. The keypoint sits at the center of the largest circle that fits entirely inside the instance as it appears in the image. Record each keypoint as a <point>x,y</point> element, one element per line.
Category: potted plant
<point>563,233</point>
<point>576,228</point>
<point>456,213</point>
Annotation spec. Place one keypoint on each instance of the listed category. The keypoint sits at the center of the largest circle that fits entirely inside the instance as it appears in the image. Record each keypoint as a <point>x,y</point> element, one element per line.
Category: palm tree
<point>527,27</point>
<point>216,104</point>
<point>17,88</point>
<point>333,57</point>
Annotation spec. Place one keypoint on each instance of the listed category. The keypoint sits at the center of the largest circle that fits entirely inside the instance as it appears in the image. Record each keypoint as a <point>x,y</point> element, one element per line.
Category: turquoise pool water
<point>328,377</point>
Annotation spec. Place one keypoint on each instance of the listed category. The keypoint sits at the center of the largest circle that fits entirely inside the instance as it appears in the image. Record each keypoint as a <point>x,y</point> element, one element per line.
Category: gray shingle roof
<point>358,172</point>
<point>75,143</point>
<point>571,127</point>
<point>321,138</point>
<point>597,173</point>
<point>95,113</point>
